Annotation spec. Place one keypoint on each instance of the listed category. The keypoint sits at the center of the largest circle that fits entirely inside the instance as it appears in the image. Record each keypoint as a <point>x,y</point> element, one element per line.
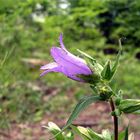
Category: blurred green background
<point>28,30</point>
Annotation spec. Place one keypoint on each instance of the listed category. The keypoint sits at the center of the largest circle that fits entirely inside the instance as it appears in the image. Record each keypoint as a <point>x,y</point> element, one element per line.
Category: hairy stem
<point>115,118</point>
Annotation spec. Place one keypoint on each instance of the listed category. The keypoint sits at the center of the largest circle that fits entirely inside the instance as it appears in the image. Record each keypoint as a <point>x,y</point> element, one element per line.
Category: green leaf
<point>130,105</point>
<point>69,136</point>
<point>131,109</point>
<point>55,130</point>
<point>108,71</point>
<point>106,135</point>
<point>121,135</point>
<point>83,103</point>
<point>76,131</point>
<point>137,112</point>
<point>126,134</point>
<point>86,133</point>
<point>95,135</point>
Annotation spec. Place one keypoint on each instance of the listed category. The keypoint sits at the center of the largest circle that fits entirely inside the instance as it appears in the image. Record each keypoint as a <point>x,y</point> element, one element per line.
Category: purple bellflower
<point>66,63</point>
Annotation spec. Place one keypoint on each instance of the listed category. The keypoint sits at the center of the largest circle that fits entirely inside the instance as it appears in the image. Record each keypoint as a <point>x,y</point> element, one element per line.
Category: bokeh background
<point>28,30</point>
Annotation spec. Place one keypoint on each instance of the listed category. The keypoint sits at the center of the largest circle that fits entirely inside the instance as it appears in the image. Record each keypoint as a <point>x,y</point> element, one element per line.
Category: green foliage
<point>86,133</point>
<point>121,135</point>
<point>108,70</point>
<point>106,135</point>
<point>83,103</point>
<point>54,129</point>
<point>106,73</point>
<point>29,28</point>
<point>115,19</point>
<point>129,105</point>
<point>92,62</point>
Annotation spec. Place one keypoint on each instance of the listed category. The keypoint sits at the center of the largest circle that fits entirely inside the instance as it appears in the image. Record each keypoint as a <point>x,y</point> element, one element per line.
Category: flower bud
<point>91,79</point>
<point>117,101</point>
<point>105,92</point>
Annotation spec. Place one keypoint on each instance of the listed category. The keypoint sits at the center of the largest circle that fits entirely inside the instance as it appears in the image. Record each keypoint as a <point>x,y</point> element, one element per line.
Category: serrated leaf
<point>83,103</point>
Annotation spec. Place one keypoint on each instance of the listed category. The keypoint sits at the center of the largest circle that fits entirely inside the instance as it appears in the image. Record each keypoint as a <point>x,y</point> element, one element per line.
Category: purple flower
<point>66,63</point>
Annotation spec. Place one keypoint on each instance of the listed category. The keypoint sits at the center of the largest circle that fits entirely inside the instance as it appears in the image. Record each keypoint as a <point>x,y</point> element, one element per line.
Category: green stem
<point>115,118</point>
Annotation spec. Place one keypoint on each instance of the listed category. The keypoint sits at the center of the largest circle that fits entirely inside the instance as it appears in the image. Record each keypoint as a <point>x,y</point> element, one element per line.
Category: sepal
<point>91,79</point>
<point>92,62</point>
<point>108,70</point>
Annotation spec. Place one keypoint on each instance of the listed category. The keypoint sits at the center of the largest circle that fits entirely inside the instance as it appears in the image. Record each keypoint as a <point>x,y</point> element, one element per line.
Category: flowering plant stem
<point>115,119</point>
<point>99,78</point>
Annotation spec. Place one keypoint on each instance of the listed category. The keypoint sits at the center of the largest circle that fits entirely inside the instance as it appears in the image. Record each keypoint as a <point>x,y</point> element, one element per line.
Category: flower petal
<point>49,66</point>
<point>71,63</point>
<point>56,69</point>
<point>61,42</point>
<point>61,70</point>
<point>65,50</point>
<point>73,77</point>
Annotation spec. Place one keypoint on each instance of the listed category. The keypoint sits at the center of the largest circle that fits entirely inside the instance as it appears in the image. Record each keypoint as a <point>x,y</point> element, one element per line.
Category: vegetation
<point>29,28</point>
